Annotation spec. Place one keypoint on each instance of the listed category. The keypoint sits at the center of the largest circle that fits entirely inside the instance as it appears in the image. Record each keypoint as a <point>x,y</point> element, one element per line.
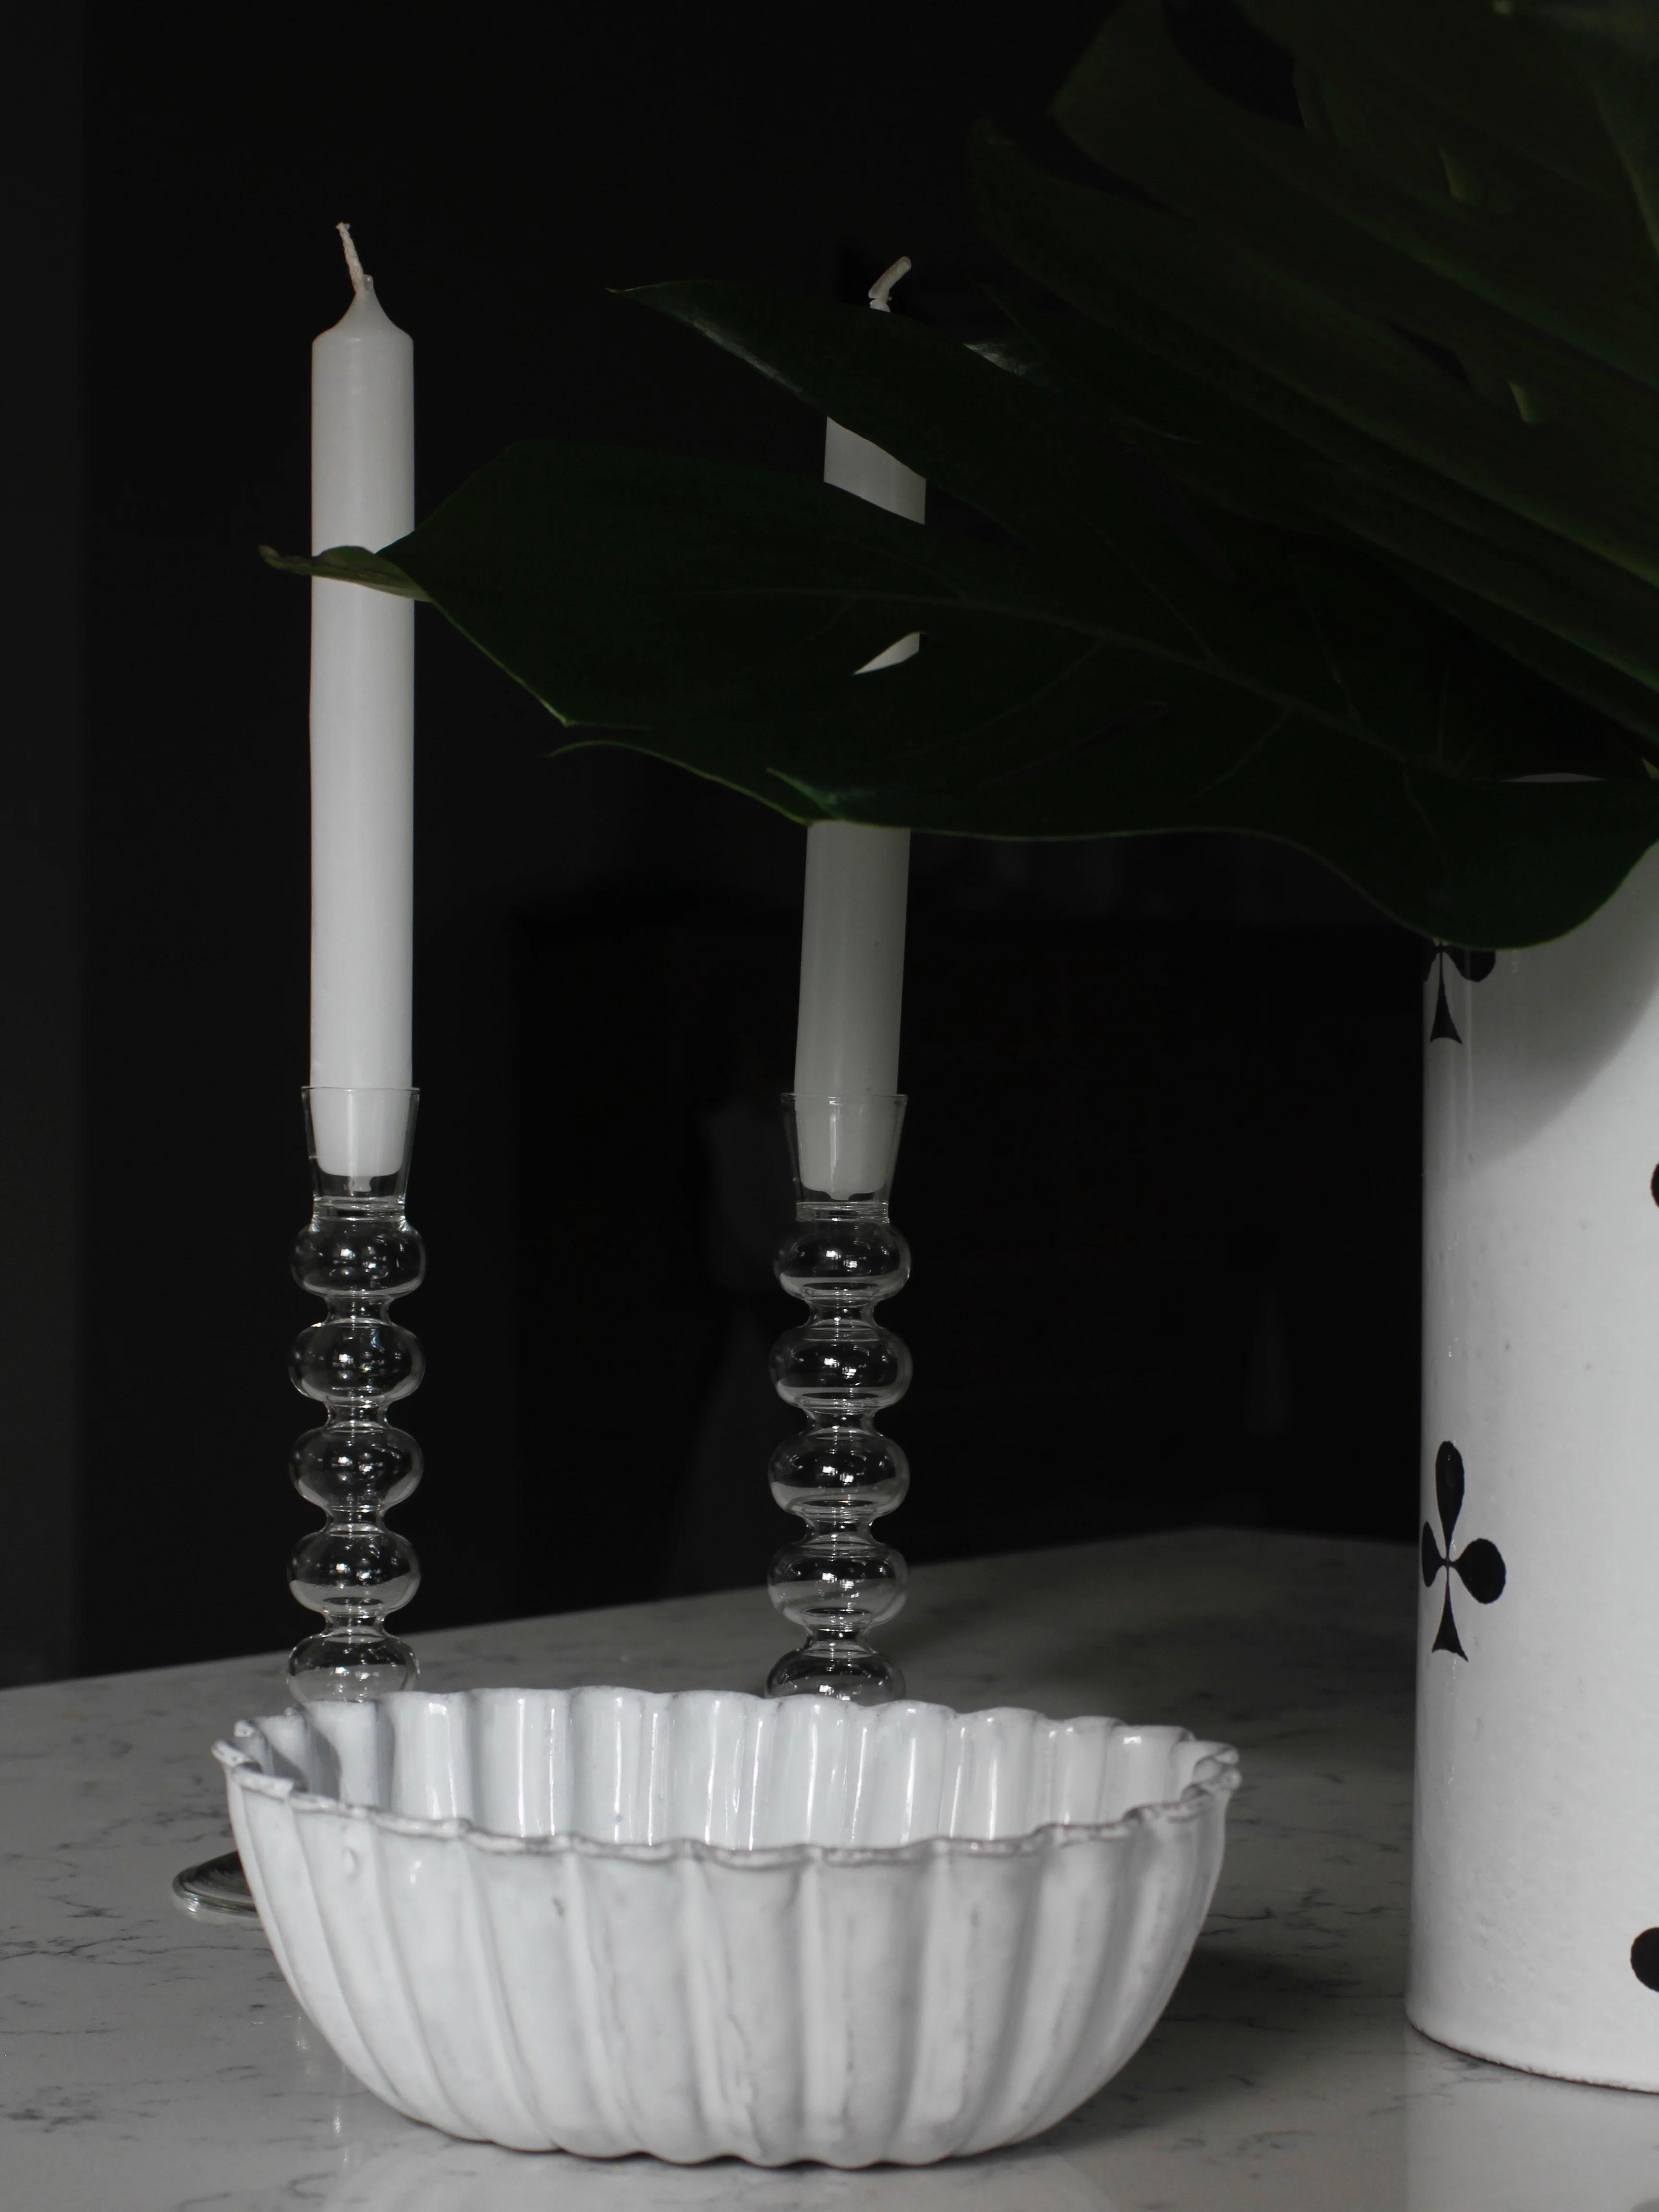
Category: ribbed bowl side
<point>558,2001</point>
<point>273,1857</point>
<point>860,1952</point>
<point>702,2020</point>
<point>1116,1921</point>
<point>452,1974</point>
<point>347,1872</point>
<point>958,2030</point>
<point>1056,2000</point>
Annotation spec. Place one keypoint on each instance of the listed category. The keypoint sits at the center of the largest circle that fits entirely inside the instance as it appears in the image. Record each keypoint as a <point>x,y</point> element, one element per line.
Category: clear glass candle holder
<point>358,1253</point>
<point>839,1368</point>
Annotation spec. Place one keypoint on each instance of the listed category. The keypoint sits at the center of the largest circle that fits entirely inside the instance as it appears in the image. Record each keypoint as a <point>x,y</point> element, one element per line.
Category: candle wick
<point>361,281</point>
<point>881,290</point>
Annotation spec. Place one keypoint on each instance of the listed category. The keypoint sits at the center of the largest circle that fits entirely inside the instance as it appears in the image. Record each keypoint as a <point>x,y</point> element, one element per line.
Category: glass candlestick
<point>839,1368</point>
<point>357,1253</point>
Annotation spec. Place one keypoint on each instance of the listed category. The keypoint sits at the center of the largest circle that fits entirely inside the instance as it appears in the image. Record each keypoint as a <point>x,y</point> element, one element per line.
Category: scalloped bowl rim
<point>1216,1775</point>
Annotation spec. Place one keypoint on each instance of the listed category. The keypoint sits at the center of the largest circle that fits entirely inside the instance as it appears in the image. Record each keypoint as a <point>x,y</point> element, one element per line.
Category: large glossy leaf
<point>1615,52</point>
<point>1231,435</point>
<point>1227,455</point>
<point>717,617</point>
<point>1337,378</point>
<point>1546,289</point>
<point>1496,87</point>
<point>1474,182</point>
<point>1006,446</point>
<point>1019,456</point>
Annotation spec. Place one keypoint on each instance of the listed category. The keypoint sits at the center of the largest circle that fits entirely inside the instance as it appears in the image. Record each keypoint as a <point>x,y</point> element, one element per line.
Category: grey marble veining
<point>147,2064</point>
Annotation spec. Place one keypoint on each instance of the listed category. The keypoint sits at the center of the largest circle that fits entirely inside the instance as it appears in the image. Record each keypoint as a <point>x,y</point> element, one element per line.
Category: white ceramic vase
<point>1535,1913</point>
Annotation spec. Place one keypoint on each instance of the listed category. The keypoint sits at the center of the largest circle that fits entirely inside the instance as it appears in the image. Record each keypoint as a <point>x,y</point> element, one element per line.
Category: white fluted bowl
<point>702,1924</point>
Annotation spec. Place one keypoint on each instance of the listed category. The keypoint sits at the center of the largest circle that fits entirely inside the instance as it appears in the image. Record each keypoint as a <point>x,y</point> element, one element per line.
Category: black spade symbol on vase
<point>1480,1565</point>
<point>1472,966</point>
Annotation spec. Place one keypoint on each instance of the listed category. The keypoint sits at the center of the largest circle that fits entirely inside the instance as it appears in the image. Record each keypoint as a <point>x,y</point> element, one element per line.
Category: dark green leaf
<point>717,617</point>
<point>347,564</point>
<point>1007,448</point>
<point>1493,88</point>
<point>1393,449</point>
<point>1561,293</point>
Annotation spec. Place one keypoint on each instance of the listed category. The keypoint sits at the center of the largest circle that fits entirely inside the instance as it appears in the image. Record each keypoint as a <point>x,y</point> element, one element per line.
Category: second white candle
<point>851,959</point>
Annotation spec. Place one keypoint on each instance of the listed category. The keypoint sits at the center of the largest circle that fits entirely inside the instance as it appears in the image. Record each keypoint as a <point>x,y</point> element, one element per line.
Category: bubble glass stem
<point>839,1368</point>
<point>357,1253</point>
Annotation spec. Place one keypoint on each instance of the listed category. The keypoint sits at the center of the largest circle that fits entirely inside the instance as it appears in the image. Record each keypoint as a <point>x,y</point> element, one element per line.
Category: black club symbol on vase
<point>1480,1565</point>
<point>1472,966</point>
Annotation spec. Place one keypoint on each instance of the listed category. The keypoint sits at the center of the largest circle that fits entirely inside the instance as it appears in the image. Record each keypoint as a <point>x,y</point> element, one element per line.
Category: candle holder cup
<point>839,1368</point>
<point>357,1253</point>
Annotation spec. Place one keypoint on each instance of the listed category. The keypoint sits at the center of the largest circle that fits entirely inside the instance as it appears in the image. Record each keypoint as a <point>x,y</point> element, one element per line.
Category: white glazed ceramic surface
<point>701,1922</point>
<point>1536,1864</point>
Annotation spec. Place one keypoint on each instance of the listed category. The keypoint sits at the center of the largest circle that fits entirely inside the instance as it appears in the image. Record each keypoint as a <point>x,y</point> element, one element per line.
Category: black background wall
<point>42,846</point>
<point>1161,1169</point>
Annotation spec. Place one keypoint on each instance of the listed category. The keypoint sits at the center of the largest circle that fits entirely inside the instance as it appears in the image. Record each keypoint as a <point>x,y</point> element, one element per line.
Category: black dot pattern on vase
<point>1472,966</point>
<point>1478,1566</point>
<point>1645,1957</point>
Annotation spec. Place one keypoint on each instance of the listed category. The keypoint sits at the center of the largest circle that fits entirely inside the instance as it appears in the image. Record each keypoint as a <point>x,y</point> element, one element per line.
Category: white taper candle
<point>852,964</point>
<point>363,710</point>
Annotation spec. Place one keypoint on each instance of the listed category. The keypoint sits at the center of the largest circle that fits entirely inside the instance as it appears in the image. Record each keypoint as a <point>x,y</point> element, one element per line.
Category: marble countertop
<point>149,2062</point>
